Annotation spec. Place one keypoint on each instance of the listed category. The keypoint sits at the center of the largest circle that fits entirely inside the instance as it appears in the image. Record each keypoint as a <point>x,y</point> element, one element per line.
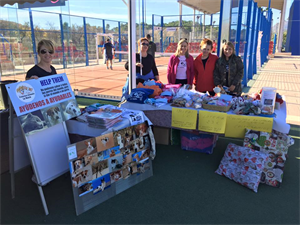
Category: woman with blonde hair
<point>229,70</point>
<point>44,67</point>
<point>180,67</point>
<point>146,69</point>
<point>204,66</point>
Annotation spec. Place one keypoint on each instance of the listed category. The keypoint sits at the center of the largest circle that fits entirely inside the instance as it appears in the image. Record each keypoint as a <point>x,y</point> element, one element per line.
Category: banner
<point>44,102</point>
<point>47,3</point>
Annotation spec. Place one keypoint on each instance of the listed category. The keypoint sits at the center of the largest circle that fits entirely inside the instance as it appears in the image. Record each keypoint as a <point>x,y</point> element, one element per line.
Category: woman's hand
<point>139,65</point>
<point>231,88</point>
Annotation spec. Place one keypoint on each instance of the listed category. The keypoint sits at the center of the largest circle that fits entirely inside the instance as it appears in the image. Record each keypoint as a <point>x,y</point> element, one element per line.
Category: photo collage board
<point>96,163</point>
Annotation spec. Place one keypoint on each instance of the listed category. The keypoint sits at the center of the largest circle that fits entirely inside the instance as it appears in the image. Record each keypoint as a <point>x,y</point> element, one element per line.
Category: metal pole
<point>180,21</point>
<point>143,21</point>
<point>86,43</point>
<point>239,25</point>
<point>11,148</point>
<point>220,28</point>
<point>280,35</point>
<point>131,44</point>
<point>62,40</point>
<point>33,37</point>
<point>203,27</point>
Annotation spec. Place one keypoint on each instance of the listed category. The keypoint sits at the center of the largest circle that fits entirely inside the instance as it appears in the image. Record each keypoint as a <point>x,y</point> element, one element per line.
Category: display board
<point>42,106</point>
<point>106,165</point>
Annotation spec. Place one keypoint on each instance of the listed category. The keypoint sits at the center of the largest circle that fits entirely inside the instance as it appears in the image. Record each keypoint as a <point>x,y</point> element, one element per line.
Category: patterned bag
<point>274,144</point>
<point>243,165</point>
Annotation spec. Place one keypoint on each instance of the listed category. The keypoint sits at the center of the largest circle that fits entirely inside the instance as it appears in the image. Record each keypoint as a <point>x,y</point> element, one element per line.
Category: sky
<point>114,10</point>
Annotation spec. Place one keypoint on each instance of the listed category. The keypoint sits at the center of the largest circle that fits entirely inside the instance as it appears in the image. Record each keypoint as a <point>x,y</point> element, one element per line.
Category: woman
<point>148,66</point>
<point>229,70</point>
<point>43,68</point>
<point>180,67</point>
<point>204,66</point>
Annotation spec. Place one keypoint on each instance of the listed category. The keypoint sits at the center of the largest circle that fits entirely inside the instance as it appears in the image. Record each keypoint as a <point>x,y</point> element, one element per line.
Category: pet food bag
<point>198,142</point>
<point>268,97</point>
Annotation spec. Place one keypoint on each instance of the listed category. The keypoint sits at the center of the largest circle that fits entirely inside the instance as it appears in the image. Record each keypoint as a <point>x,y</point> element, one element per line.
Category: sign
<point>157,28</point>
<point>47,3</point>
<point>236,125</point>
<point>214,122</point>
<point>171,28</point>
<point>184,118</point>
<point>44,102</point>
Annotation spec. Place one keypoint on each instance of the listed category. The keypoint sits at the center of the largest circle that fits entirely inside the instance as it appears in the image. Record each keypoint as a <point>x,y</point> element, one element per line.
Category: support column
<point>280,35</point>
<point>33,37</point>
<point>131,44</point>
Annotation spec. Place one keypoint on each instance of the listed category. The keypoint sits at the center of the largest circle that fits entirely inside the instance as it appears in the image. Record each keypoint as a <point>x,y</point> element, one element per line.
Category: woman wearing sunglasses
<point>146,69</point>
<point>43,68</point>
<point>180,67</point>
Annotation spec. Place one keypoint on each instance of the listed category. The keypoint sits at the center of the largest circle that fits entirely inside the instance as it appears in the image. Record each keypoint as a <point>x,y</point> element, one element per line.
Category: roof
<point>213,6</point>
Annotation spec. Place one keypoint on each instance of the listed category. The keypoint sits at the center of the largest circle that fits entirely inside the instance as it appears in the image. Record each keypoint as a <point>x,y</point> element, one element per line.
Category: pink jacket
<point>172,69</point>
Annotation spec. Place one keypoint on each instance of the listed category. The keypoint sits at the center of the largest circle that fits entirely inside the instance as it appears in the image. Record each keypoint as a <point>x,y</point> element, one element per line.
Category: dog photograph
<point>142,167</point>
<point>103,155</point>
<point>115,176</point>
<point>141,129</point>
<point>129,170</point>
<point>114,151</point>
<point>127,158</point>
<point>86,147</point>
<point>85,188</point>
<point>77,164</point>
<point>118,139</point>
<point>101,183</point>
<point>115,163</point>
<point>105,142</point>
<point>70,109</point>
<point>33,122</point>
<point>146,143</point>
<point>100,169</point>
<point>90,159</point>
<point>81,176</point>
<point>53,115</point>
<point>124,137</point>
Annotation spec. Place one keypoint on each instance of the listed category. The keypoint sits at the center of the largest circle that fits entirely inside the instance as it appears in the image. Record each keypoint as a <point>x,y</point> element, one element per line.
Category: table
<point>162,116</point>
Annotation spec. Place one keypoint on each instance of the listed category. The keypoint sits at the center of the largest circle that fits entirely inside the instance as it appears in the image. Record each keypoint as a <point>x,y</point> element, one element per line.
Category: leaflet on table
<point>44,102</point>
<point>135,117</point>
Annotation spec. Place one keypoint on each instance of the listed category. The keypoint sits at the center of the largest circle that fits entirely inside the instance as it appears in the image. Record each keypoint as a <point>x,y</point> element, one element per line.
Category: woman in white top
<point>180,67</point>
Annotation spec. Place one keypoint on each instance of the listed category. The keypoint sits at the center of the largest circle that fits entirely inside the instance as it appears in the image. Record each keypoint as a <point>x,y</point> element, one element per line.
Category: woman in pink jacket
<point>181,65</point>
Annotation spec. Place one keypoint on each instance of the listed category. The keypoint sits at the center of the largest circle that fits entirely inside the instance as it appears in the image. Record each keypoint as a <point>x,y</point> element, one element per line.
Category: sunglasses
<point>145,44</point>
<point>44,51</point>
<point>184,39</point>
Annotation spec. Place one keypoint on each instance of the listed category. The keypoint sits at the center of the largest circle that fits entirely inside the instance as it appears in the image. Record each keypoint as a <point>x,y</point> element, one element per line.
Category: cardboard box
<point>161,135</point>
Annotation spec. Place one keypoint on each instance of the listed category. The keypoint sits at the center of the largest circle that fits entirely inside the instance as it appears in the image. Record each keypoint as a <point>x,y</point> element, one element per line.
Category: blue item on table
<point>139,95</point>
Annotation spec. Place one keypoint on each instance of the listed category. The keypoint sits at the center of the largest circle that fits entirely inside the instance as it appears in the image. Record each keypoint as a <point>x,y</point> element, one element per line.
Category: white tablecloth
<point>279,122</point>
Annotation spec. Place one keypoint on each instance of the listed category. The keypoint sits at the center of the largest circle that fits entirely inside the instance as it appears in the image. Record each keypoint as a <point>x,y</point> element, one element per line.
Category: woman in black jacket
<point>229,70</point>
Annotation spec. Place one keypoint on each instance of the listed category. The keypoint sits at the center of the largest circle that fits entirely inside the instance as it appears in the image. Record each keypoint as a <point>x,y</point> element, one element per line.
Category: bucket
<point>3,93</point>
<point>268,97</point>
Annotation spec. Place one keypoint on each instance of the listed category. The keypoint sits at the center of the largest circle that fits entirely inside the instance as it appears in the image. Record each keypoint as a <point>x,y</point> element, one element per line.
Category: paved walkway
<point>281,72</point>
